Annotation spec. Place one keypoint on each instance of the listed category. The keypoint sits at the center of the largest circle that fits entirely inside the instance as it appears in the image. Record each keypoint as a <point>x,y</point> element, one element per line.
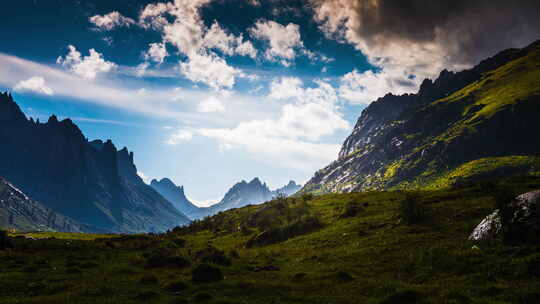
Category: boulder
<point>488,229</point>
<point>523,223</point>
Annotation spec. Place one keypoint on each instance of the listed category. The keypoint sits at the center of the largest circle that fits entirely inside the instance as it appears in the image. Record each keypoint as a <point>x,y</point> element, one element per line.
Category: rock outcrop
<point>523,223</point>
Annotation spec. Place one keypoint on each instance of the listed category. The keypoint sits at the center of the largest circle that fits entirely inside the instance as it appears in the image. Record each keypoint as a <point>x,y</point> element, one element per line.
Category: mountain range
<point>241,194</point>
<point>69,183</point>
<point>466,126</point>
<point>92,183</point>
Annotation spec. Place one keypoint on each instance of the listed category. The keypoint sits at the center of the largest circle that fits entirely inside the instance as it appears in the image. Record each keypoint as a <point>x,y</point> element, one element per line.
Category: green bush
<point>5,241</point>
<point>281,234</point>
<point>205,273</point>
<point>411,210</point>
<point>351,209</point>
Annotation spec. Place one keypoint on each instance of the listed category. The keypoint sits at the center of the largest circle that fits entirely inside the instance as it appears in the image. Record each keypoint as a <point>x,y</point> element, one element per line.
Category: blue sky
<point>207,92</point>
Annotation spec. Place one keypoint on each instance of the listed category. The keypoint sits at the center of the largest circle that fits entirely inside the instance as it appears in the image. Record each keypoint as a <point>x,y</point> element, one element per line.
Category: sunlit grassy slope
<point>363,252</point>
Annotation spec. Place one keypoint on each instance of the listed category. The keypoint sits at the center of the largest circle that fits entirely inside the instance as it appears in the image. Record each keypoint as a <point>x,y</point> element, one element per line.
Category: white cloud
<point>363,88</point>
<point>217,38</point>
<point>281,152</point>
<point>111,20</point>
<point>210,105</point>
<point>181,25</point>
<point>209,69</point>
<point>286,87</point>
<point>152,15</point>
<point>283,40</point>
<point>158,102</point>
<point>178,137</point>
<point>88,66</point>
<point>140,70</point>
<point>34,84</point>
<point>204,203</point>
<point>293,138</point>
<point>156,52</point>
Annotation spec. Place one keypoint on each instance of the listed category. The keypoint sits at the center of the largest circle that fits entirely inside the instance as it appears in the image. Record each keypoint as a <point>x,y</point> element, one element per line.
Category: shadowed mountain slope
<point>91,182</point>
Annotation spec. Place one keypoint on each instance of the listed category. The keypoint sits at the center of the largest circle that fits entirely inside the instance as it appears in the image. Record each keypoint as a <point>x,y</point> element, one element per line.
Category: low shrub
<point>205,273</point>
<point>213,255</point>
<point>176,286</point>
<point>5,241</point>
<point>351,209</point>
<point>164,258</point>
<point>281,234</point>
<point>202,297</point>
<point>411,210</point>
<point>149,280</point>
<point>404,297</point>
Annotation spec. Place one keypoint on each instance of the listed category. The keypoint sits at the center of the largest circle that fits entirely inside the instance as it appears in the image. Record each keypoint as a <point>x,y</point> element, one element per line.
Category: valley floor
<point>336,248</point>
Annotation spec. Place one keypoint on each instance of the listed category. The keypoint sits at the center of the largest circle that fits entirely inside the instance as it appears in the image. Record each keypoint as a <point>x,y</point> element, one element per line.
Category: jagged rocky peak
<point>257,182</point>
<point>165,182</point>
<point>175,194</point>
<point>9,110</point>
<point>291,188</point>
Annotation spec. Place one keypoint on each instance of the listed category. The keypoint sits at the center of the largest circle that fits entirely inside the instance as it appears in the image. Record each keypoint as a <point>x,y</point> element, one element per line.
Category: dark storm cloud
<point>469,29</point>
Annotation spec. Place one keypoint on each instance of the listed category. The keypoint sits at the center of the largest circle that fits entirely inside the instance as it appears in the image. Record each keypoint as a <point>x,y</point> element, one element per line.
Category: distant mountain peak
<point>52,120</point>
<point>174,194</point>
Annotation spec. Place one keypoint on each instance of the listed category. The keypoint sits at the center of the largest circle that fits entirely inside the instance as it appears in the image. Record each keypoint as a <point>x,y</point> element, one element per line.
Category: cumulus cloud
<point>179,136</point>
<point>292,139</point>
<point>283,40</point>
<point>361,88</point>
<point>209,69</point>
<point>286,87</point>
<point>217,38</point>
<point>421,38</point>
<point>156,52</point>
<point>211,105</point>
<point>181,25</point>
<point>111,20</point>
<point>34,84</point>
<point>88,66</point>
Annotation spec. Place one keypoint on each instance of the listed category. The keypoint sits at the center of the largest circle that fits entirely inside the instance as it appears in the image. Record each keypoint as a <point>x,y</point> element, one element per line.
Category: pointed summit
<point>9,110</point>
<point>174,194</point>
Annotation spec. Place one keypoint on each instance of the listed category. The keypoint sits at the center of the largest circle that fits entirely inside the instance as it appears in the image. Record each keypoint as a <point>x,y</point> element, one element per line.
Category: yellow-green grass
<point>63,235</point>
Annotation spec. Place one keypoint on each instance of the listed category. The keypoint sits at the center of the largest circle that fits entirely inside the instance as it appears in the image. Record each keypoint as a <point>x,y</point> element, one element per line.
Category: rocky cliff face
<point>19,212</point>
<point>175,194</point>
<point>91,182</point>
<point>483,114</point>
